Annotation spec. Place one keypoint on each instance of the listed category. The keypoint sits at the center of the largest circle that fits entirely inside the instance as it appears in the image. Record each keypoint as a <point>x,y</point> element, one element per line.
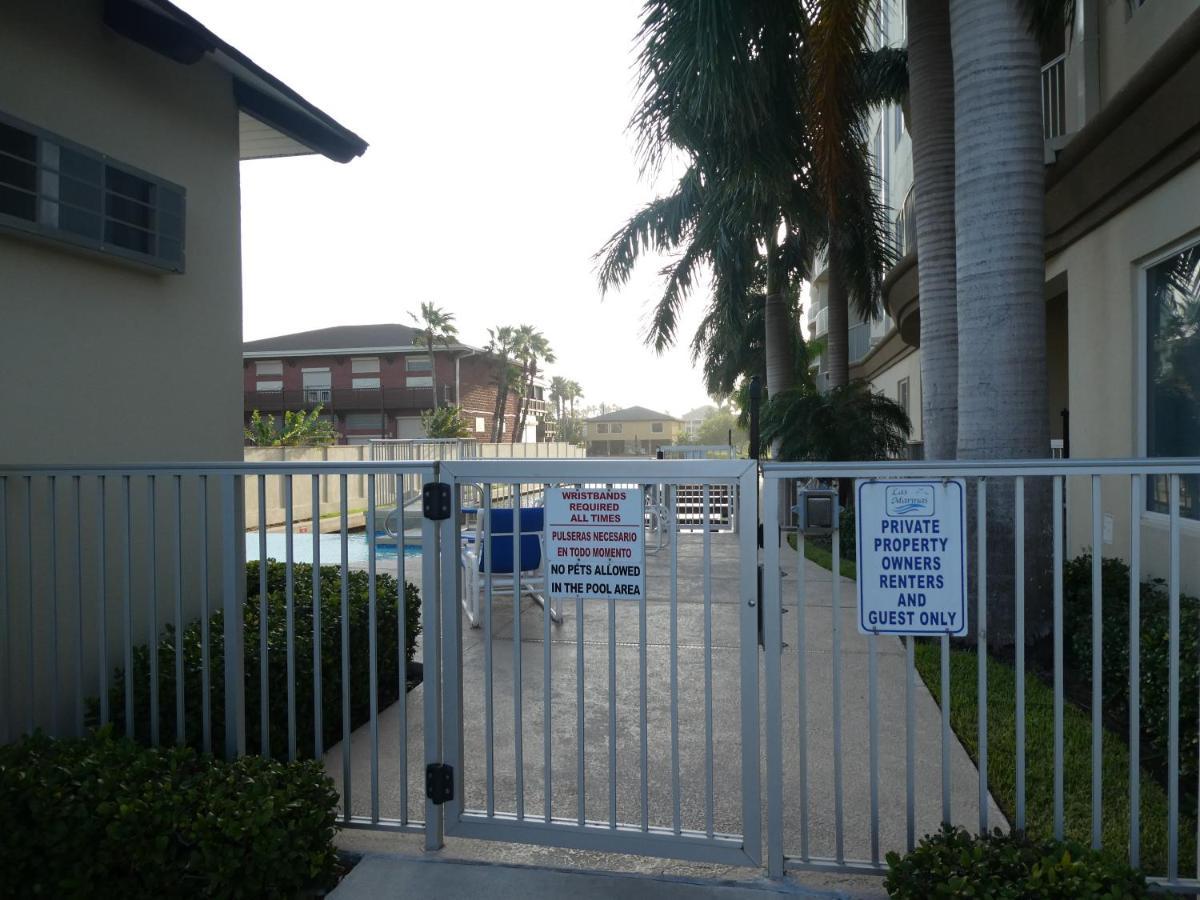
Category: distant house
<point>693,419</point>
<point>123,126</point>
<point>374,381</point>
<point>635,431</point>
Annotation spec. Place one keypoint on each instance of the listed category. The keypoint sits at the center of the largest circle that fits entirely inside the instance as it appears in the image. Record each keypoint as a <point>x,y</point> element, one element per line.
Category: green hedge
<point>104,817</point>
<point>1154,658</point>
<point>953,863</point>
<point>390,676</point>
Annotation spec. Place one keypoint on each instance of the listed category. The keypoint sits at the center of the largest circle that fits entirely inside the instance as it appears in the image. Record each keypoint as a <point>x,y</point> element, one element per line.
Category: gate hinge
<point>439,783</point>
<point>435,500</point>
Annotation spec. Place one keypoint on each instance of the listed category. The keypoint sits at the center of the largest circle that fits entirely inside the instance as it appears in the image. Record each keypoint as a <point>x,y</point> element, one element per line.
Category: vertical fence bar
<point>910,747</point>
<point>373,653</point>
<point>6,727</point>
<point>1057,501</point>
<point>1135,684</point>
<point>518,678</point>
<point>1173,681</point>
<point>1019,642</point>
<point>128,590</point>
<point>264,665</point>
<point>772,639</point>
<point>580,717</point>
<point>439,565</point>
<point>102,593</point>
<point>1097,674</point>
<point>612,714</point>
<point>205,619</point>
<point>709,775</point>
<point>177,567</point>
<point>873,741</point>
<point>344,534</point>
<point>52,574</point>
<point>645,739</point>
<point>152,599</point>
<point>79,711</point>
<point>802,688</point>
<point>233,532</point>
<point>290,600</point>
<point>547,763</point>
<point>836,612</point>
<point>676,812</point>
<point>484,552</point>
<point>981,649</point>
<point>318,724</point>
<point>944,696</point>
<point>402,637</point>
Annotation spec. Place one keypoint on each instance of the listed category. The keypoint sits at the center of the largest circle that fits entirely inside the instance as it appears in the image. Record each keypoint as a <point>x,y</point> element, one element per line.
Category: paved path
<point>727,814</point>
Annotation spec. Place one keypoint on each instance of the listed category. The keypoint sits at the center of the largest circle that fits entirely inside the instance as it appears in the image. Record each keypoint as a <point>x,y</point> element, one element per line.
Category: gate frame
<point>452,818</point>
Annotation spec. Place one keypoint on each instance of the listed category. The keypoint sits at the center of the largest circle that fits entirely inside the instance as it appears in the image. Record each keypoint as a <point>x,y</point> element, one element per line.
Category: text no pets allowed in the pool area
<point>597,543</point>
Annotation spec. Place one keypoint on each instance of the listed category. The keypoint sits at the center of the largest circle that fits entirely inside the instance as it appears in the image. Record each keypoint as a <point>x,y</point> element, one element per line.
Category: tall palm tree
<point>574,392</point>
<point>558,393</point>
<point>532,347</point>
<point>931,102</point>
<point>502,346</point>
<point>437,328</point>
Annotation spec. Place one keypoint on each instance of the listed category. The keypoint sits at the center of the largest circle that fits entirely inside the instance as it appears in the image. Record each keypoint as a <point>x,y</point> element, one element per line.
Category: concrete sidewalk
<point>726,643</point>
<point>385,876</point>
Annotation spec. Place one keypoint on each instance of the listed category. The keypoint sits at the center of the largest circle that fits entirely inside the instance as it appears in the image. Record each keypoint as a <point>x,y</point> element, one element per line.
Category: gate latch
<point>439,783</point>
<point>435,500</point>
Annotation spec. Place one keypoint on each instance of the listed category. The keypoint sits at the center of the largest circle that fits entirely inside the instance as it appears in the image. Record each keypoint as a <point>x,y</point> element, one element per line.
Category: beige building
<point>1121,117</point>
<point>635,431</point>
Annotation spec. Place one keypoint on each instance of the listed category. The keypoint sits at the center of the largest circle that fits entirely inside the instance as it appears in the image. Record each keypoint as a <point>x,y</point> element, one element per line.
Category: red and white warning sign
<point>597,543</point>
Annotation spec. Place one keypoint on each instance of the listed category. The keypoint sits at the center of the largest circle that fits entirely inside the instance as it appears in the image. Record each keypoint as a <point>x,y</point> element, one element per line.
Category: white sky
<point>499,162</point>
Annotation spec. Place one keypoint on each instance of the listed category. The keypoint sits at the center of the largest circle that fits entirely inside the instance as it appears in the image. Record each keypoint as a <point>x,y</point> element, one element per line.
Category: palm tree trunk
<point>519,418</point>
<point>931,96</point>
<point>433,371</point>
<point>780,351</point>
<point>998,209</point>
<point>501,404</point>
<point>837,340</point>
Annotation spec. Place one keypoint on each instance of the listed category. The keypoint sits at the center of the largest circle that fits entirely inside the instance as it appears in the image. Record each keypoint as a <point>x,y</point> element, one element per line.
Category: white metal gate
<point>642,717</point>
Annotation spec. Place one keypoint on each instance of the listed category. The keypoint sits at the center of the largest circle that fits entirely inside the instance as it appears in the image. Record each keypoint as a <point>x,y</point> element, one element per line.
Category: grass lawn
<point>1039,754</point>
<point>1039,760</point>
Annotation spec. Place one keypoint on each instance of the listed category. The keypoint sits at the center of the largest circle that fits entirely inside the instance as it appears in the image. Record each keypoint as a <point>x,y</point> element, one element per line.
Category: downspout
<point>458,376</point>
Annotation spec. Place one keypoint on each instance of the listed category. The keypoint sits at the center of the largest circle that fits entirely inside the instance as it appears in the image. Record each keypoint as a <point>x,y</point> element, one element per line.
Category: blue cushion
<point>532,524</point>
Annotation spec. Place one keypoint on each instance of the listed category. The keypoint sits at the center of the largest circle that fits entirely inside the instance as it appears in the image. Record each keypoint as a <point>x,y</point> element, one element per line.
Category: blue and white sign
<point>912,556</point>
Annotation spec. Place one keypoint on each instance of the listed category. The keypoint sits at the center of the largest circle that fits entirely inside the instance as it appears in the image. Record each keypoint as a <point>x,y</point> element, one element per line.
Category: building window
<point>897,124</point>
<point>479,425</point>
<point>617,428</point>
<point>602,428</point>
<point>416,364</point>
<point>268,367</point>
<point>902,395</point>
<point>56,189</point>
<point>365,384</point>
<point>268,386</point>
<point>656,427</point>
<point>1173,373</point>
<point>317,384</point>
<point>364,365</point>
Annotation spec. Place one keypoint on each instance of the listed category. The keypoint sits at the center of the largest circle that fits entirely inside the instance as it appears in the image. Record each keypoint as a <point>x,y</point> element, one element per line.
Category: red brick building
<point>375,380</point>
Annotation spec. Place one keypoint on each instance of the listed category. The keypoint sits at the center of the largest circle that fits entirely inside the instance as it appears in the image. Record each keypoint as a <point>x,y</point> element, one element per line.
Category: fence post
<point>233,583</point>
<point>431,655</point>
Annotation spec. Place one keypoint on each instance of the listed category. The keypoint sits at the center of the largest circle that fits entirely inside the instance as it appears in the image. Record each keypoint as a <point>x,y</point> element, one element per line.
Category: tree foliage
<point>445,422</point>
<point>299,429</point>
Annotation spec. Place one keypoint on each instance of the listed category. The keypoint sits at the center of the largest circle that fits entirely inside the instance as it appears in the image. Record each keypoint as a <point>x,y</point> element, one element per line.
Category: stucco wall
<point>103,362</point>
<point>1128,38</point>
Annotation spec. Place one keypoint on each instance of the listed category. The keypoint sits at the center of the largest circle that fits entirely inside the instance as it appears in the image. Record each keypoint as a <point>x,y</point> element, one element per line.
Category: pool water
<point>330,546</point>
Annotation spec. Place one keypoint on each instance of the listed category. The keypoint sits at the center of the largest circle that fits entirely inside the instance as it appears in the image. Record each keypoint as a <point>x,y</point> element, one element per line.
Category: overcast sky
<point>499,162</point>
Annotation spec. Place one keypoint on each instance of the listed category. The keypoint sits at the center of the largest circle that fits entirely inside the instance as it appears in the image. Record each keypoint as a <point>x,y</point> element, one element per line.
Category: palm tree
<point>931,100</point>
<point>437,328</point>
<point>531,346</point>
<point>574,392</point>
<point>558,393</point>
<point>502,346</point>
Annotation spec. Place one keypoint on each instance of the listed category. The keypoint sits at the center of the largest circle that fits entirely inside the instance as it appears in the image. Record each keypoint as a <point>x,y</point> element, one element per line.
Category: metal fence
<point>1106,497</point>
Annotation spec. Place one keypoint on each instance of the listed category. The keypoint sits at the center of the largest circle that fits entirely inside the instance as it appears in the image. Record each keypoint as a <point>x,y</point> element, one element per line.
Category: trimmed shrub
<point>391,680</point>
<point>103,816</point>
<point>1154,658</point>
<point>954,863</point>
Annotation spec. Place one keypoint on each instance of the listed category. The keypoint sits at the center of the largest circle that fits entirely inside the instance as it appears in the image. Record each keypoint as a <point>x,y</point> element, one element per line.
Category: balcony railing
<point>344,399</point>
<point>820,321</point>
<point>860,341</point>
<point>905,227</point>
<point>1054,111</point>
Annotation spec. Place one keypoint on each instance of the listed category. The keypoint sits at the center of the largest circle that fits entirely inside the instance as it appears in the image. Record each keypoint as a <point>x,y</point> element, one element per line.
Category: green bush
<point>847,536</point>
<point>953,863</point>
<point>104,817</point>
<point>1154,658</point>
<point>391,678</point>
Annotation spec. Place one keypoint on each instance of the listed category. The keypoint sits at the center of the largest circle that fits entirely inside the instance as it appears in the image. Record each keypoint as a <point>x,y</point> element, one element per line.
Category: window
<point>479,425</point>
<point>317,385</point>
<point>1173,373</point>
<point>57,189</point>
<point>878,147</point>
<point>364,365</point>
<point>602,428</point>
<point>617,428</point>
<point>268,386</point>
<point>897,124</point>
<point>268,367</point>
<point>656,427</point>
<point>415,364</point>
<point>902,395</point>
<point>364,384</point>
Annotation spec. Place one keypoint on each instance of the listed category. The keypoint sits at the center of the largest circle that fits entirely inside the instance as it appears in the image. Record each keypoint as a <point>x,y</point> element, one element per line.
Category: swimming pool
<point>331,548</point>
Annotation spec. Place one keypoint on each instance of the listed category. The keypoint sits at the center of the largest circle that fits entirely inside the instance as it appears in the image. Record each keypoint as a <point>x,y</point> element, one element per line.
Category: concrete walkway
<point>726,643</point>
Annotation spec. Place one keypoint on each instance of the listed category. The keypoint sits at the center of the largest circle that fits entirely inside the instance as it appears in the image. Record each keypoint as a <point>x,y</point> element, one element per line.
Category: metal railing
<point>820,319</point>
<point>905,227</point>
<point>1054,109</point>
<point>1016,505</point>
<point>411,400</point>
<point>860,341</point>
